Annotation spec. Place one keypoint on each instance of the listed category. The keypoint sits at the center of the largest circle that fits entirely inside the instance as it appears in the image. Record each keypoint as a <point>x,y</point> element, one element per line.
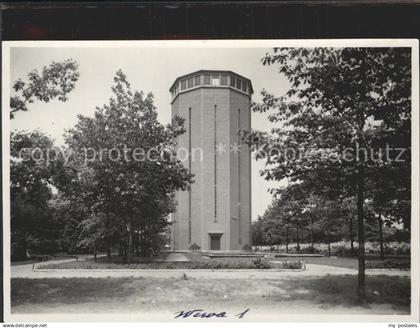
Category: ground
<point>336,294</point>
<point>328,285</point>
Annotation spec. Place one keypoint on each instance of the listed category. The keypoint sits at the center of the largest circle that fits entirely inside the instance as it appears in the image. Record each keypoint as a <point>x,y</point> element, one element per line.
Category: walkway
<point>171,257</point>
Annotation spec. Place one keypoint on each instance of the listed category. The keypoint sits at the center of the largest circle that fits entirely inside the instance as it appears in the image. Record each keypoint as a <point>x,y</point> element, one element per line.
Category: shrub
<point>340,248</point>
<point>194,247</point>
<point>261,264</point>
<point>293,264</point>
<point>247,248</point>
<point>307,249</point>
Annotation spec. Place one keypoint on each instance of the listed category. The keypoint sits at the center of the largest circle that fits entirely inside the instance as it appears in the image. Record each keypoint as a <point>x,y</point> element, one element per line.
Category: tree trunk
<point>124,252</point>
<point>130,243</point>
<point>381,235</point>
<point>312,235</point>
<point>287,240</point>
<point>137,243</point>
<point>361,291</point>
<point>108,252</point>
<point>297,238</point>
<point>95,253</point>
<point>141,242</point>
<point>329,244</point>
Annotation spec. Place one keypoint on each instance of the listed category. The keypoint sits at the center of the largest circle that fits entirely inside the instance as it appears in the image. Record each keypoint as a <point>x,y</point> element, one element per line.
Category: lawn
<point>386,295</point>
<point>352,262</point>
<point>15,263</point>
<point>50,258</point>
<point>196,262</point>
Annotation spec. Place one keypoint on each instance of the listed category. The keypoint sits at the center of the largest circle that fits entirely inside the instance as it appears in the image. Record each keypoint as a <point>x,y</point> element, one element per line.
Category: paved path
<point>26,271</point>
<point>171,257</point>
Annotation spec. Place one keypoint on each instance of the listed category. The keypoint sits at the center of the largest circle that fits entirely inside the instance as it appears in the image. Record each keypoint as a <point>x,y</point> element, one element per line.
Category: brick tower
<point>216,213</point>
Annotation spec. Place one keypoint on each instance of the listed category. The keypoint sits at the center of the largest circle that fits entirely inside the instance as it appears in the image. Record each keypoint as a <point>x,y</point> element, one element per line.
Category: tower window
<point>244,86</point>
<point>206,79</point>
<point>232,81</point>
<point>215,80</point>
<point>197,80</point>
<point>238,84</point>
<point>223,80</point>
<point>190,82</point>
<point>183,85</point>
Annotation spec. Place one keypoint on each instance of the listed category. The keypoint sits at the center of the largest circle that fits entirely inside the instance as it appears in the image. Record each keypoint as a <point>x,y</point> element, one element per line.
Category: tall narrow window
<point>215,163</point>
<point>215,80</point>
<point>239,178</point>
<point>232,81</point>
<point>206,79</point>
<point>189,169</point>
<point>238,84</point>
<point>244,86</point>
<point>197,80</point>
<point>190,82</point>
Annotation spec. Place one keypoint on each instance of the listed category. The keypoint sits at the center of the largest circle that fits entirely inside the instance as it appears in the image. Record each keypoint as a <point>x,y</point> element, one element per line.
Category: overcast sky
<point>148,69</point>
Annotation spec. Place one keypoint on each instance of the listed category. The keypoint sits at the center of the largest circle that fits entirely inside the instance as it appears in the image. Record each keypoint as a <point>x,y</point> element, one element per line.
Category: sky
<point>148,69</point>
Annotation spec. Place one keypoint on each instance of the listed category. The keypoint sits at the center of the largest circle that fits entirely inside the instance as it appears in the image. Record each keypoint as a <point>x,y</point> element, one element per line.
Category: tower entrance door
<point>215,242</point>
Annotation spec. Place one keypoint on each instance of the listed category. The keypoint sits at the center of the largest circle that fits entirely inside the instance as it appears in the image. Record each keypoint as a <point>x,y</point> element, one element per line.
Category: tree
<point>338,99</point>
<point>55,81</point>
<point>257,232</point>
<point>132,164</point>
<point>32,174</point>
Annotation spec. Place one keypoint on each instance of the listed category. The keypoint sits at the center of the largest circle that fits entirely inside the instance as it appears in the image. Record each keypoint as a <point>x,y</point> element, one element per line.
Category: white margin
<point>262,317</point>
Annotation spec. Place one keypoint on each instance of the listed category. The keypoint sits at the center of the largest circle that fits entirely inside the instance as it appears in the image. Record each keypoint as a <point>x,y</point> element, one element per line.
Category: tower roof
<point>231,73</point>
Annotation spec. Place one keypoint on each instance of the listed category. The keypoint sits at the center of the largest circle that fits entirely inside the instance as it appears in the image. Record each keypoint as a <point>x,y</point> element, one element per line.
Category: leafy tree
<point>55,81</point>
<point>99,231</point>
<point>69,215</point>
<point>31,189</point>
<point>355,98</point>
<point>131,159</point>
<point>257,232</point>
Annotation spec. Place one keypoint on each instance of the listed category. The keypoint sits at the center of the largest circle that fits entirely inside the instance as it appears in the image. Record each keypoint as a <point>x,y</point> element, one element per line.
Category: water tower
<point>215,213</point>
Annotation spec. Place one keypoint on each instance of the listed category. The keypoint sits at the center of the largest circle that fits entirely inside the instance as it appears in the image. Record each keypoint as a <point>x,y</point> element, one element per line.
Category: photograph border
<point>266,317</point>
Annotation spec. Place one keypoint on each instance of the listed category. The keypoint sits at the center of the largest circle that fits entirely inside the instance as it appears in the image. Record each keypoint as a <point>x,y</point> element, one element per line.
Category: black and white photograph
<point>237,180</point>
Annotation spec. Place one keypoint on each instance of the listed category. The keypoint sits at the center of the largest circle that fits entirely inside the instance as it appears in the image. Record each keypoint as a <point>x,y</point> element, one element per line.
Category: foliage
<point>55,81</point>
<point>340,99</point>
<point>135,192</point>
<point>261,264</point>
<point>31,189</point>
<point>194,247</point>
<point>247,248</point>
<point>340,248</point>
<point>210,264</point>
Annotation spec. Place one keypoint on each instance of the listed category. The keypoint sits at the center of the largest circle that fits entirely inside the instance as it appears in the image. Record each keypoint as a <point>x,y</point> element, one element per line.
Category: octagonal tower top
<point>211,79</point>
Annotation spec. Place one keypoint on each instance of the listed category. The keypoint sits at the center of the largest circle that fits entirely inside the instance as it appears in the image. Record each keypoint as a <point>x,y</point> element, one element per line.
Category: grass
<point>146,294</point>
<point>352,262</point>
<point>196,262</point>
<point>32,261</point>
<point>16,263</point>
